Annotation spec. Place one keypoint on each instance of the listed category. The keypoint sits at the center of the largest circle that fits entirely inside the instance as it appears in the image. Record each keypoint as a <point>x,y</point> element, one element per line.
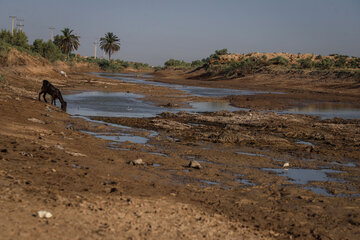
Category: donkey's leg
<point>40,94</point>
<point>44,96</point>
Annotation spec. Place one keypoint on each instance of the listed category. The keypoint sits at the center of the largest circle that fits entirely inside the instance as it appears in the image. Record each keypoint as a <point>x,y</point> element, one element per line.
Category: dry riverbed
<point>78,170</point>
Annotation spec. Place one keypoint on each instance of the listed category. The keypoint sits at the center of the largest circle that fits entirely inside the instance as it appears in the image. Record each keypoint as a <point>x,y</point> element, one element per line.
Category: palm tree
<point>110,43</point>
<point>67,42</point>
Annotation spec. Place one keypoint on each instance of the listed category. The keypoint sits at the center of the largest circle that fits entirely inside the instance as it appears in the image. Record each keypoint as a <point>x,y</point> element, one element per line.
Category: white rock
<point>58,146</point>
<point>44,214</point>
<point>138,161</point>
<point>76,154</point>
<point>286,165</point>
<point>63,73</point>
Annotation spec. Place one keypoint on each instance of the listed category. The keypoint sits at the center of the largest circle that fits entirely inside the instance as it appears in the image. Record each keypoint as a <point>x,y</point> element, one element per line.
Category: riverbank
<point>47,163</point>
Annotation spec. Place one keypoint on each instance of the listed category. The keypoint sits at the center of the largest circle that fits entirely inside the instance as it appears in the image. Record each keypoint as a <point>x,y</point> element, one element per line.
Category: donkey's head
<point>63,106</point>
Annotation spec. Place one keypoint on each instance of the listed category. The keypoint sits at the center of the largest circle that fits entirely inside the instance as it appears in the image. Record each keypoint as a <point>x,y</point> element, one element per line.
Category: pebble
<point>76,154</point>
<point>286,165</point>
<point>138,161</point>
<point>194,164</point>
<point>35,120</point>
<point>44,214</point>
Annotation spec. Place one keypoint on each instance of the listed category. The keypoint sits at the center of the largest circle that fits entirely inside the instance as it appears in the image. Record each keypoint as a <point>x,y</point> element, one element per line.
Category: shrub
<point>47,50</point>
<point>354,62</point>
<point>197,63</point>
<point>278,61</point>
<point>306,63</point>
<point>246,66</point>
<point>176,63</point>
<point>340,61</point>
<point>4,51</point>
<point>325,63</point>
<point>220,52</point>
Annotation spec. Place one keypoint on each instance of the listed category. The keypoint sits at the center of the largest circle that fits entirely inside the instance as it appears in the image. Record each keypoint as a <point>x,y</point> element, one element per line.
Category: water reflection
<point>120,104</point>
<point>304,176</point>
<point>328,110</point>
<point>195,91</point>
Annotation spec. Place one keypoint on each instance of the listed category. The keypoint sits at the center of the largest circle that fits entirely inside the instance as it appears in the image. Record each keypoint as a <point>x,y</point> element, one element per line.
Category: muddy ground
<point>48,163</point>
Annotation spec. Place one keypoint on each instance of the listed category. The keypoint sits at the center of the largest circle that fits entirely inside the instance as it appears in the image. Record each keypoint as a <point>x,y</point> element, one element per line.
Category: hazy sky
<point>154,31</point>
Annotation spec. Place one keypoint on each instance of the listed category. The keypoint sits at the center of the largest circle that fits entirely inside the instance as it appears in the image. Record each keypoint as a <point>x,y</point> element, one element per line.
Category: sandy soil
<point>47,163</point>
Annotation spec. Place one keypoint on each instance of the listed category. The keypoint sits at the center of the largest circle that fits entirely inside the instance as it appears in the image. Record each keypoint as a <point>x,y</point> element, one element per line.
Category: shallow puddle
<point>119,137</point>
<point>304,143</point>
<point>119,104</point>
<point>251,154</point>
<point>320,191</point>
<point>350,164</point>
<point>209,182</point>
<point>328,110</point>
<point>158,154</point>
<point>156,165</point>
<point>244,181</point>
<point>192,90</point>
<point>304,176</point>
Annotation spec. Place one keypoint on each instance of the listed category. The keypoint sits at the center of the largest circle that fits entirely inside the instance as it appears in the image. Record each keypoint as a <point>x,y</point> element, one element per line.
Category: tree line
<point>65,43</point>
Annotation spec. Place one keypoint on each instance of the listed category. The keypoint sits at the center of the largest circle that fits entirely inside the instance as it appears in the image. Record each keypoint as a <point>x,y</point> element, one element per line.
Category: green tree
<point>19,38</point>
<point>67,42</point>
<point>110,43</point>
<point>47,50</point>
<point>197,63</point>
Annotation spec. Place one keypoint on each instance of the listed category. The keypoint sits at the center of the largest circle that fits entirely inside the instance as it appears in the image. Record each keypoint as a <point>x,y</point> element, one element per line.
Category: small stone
<point>194,164</point>
<point>112,190</point>
<point>138,161</point>
<point>63,73</point>
<point>35,120</point>
<point>75,154</point>
<point>44,214</point>
<point>286,165</point>
<point>58,146</point>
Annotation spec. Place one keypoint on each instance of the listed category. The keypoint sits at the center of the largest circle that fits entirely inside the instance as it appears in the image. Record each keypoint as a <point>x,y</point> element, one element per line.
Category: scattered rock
<point>170,105</point>
<point>194,164</point>
<point>58,146</point>
<point>44,214</point>
<point>35,120</point>
<point>286,165</point>
<point>112,190</point>
<point>26,154</point>
<point>63,73</point>
<point>138,161</point>
<point>75,154</point>
<point>4,150</point>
